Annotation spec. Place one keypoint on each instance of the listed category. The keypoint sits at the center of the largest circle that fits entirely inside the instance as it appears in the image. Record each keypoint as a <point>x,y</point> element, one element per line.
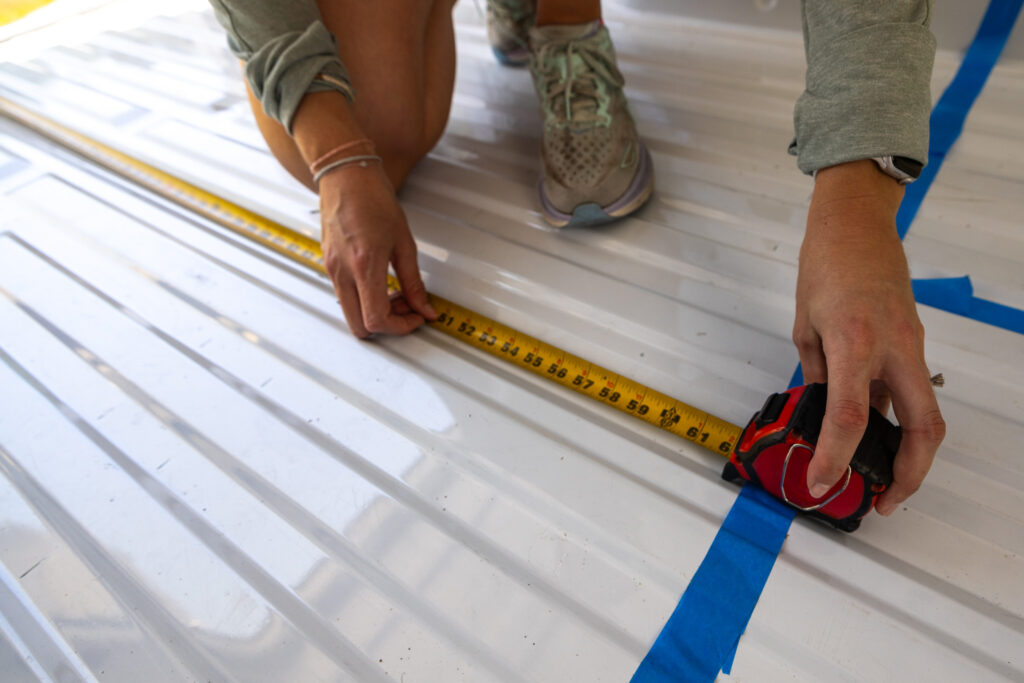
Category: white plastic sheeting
<point>206,478</point>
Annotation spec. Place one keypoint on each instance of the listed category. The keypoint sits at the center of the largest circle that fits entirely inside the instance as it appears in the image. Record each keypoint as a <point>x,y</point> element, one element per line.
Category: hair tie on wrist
<point>324,159</point>
<point>361,159</point>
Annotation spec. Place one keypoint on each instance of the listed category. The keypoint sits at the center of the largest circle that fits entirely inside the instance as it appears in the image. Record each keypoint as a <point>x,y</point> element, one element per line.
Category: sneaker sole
<point>591,213</point>
<point>516,57</point>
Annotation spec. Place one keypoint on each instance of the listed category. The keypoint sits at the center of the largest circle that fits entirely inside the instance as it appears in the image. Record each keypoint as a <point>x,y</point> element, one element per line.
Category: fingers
<point>371,275</point>
<point>408,271</point>
<point>399,306</point>
<point>348,297</point>
<point>846,417</point>
<point>923,430</point>
<point>880,397</point>
<point>812,358</point>
<point>360,281</point>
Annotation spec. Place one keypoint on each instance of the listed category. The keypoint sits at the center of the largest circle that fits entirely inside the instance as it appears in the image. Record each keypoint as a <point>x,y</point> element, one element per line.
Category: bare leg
<point>403,72</point>
<point>567,11</point>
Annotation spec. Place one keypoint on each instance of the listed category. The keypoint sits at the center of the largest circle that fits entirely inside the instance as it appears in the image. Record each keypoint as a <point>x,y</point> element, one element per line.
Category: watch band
<point>903,169</point>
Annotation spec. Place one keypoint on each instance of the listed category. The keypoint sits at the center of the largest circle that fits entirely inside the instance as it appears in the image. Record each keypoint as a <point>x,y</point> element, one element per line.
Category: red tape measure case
<point>775,450</point>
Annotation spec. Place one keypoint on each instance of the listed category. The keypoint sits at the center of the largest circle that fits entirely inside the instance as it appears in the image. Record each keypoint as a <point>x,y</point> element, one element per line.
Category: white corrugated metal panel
<point>206,478</point>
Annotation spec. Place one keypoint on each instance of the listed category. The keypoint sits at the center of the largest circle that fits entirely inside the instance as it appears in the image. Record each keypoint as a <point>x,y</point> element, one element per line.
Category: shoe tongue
<point>560,33</point>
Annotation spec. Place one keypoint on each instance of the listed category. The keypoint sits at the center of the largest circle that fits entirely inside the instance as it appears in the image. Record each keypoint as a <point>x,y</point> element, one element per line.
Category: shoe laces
<point>577,94</point>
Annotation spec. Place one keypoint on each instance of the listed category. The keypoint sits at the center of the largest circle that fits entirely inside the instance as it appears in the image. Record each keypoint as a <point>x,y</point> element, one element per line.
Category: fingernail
<point>430,310</point>
<point>819,490</point>
<point>885,510</point>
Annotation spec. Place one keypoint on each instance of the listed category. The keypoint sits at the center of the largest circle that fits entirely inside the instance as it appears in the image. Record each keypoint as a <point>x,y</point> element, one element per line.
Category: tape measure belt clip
<point>777,444</point>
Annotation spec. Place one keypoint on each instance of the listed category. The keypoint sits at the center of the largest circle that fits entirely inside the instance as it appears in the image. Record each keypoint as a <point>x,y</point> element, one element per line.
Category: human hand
<point>363,229</point>
<point>857,328</point>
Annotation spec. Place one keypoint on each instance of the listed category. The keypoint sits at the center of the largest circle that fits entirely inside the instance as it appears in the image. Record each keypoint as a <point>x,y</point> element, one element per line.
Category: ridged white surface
<point>206,478</point>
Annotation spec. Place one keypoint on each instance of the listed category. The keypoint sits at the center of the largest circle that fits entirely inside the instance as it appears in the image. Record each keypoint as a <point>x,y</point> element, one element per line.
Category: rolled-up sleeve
<point>869,65</point>
<point>287,52</point>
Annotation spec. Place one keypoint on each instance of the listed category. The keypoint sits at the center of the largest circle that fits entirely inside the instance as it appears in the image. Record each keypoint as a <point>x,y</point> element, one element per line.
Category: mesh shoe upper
<point>590,146</point>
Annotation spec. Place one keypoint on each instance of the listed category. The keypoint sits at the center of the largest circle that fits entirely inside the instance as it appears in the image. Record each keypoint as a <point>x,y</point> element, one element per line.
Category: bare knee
<point>434,125</point>
<point>402,140</point>
<point>409,129</point>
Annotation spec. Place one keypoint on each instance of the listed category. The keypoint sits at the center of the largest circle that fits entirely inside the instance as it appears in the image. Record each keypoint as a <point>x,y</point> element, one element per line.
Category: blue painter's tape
<point>697,642</point>
<point>998,314</point>
<point>951,294</point>
<point>949,114</point>
<point>702,633</point>
<point>956,295</point>
<point>798,377</point>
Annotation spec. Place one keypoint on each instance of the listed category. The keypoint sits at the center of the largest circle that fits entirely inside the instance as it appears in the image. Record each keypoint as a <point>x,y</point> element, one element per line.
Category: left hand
<point>857,328</point>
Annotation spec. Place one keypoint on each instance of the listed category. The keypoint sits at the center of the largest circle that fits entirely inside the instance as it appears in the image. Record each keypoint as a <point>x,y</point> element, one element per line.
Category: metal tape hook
<point>812,508</point>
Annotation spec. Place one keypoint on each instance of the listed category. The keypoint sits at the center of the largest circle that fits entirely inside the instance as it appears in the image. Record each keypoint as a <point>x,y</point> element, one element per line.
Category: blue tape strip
<point>951,294</point>
<point>997,314</point>
<point>956,295</point>
<point>701,636</point>
<point>949,114</point>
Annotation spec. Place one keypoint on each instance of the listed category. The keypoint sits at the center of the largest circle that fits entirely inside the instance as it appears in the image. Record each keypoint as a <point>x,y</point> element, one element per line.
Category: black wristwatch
<point>903,169</point>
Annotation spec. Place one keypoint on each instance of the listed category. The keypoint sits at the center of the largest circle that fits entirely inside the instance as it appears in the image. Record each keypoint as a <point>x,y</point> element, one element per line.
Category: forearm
<point>322,122</point>
<point>853,216</point>
<point>287,50</point>
<point>869,69</point>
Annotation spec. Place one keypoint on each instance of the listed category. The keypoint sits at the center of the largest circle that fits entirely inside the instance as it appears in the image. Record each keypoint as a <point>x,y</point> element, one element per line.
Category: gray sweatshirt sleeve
<point>869,65</point>
<point>287,52</point>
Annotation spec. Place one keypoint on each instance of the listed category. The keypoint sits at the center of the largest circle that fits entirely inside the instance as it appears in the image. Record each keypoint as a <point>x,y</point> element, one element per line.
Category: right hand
<point>857,328</point>
<point>363,230</point>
